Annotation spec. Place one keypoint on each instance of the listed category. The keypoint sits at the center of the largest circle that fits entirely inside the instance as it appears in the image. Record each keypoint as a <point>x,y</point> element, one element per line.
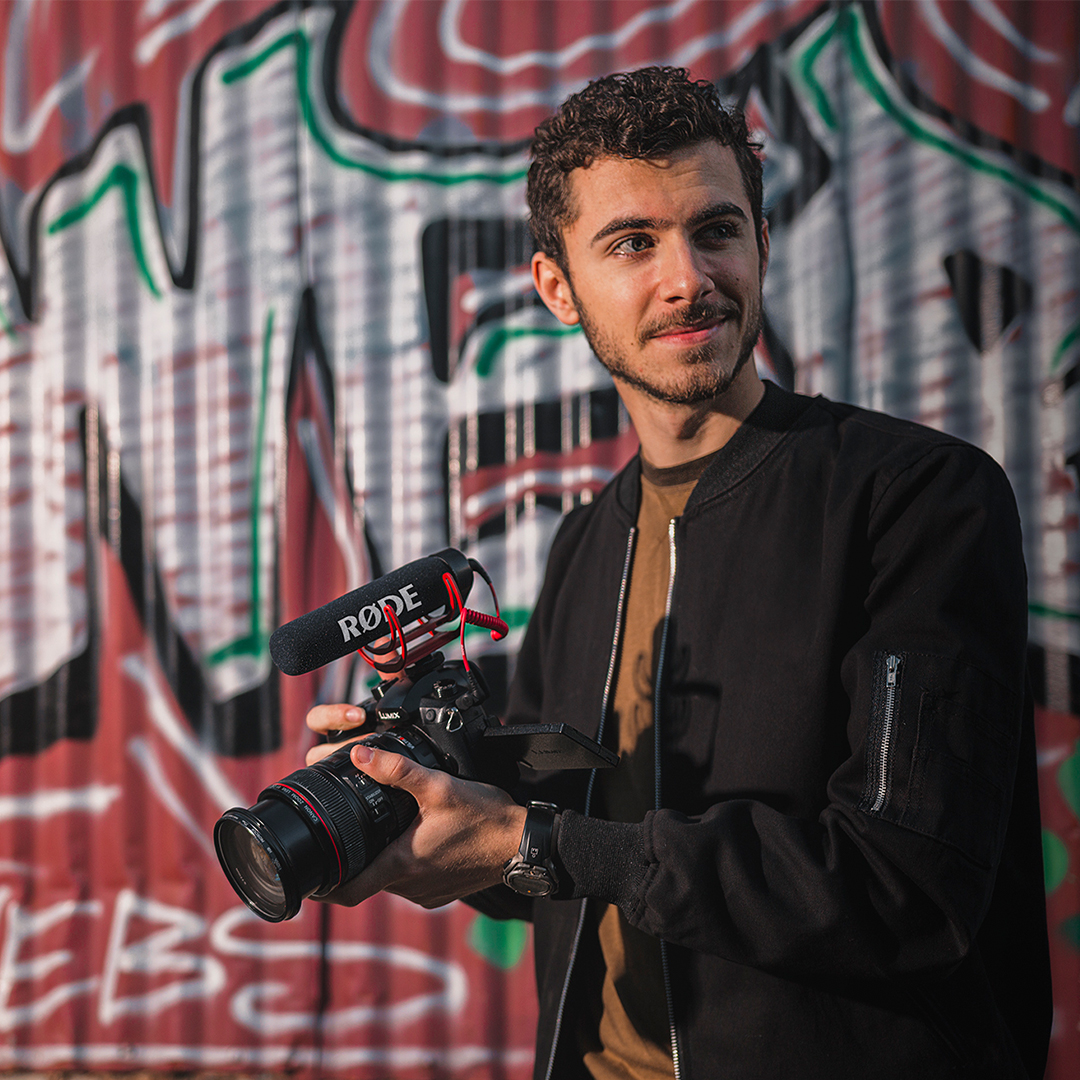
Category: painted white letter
<point>248,1006</point>
<point>21,926</point>
<point>154,954</point>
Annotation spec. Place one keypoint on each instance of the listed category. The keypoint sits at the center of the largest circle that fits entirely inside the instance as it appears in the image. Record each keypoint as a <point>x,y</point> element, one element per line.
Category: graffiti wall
<point>267,331</point>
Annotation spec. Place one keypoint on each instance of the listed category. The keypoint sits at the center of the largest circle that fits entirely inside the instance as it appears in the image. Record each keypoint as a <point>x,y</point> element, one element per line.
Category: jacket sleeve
<point>895,874</point>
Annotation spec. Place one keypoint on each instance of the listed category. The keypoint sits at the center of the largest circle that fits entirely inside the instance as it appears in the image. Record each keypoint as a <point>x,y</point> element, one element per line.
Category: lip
<point>691,335</point>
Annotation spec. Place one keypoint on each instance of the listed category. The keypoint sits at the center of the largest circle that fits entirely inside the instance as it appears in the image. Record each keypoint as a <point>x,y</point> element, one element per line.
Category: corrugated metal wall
<point>266,329</point>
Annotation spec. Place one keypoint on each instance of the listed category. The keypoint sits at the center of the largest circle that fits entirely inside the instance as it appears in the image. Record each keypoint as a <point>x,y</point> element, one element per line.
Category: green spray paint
<point>1068,778</point>
<point>850,25</point>
<point>1055,860</point>
<point>126,180</point>
<point>299,41</point>
<point>499,338</point>
<point>254,643</point>
<point>1048,612</point>
<point>500,942</point>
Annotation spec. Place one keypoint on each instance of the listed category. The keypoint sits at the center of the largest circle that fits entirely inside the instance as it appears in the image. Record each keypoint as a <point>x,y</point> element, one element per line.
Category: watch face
<point>530,881</point>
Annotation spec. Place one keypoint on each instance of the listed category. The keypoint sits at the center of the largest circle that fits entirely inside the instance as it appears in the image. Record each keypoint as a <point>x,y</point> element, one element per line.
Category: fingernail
<point>362,754</point>
<point>354,715</point>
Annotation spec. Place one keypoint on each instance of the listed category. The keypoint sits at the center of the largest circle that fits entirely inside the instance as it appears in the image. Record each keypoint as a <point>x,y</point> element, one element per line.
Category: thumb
<point>394,770</point>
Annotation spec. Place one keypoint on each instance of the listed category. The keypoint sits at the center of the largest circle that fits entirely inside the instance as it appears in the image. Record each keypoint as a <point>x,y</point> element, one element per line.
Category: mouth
<point>695,325</point>
<point>695,333</point>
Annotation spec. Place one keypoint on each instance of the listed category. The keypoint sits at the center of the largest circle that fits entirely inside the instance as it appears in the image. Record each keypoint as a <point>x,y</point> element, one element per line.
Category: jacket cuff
<point>604,859</point>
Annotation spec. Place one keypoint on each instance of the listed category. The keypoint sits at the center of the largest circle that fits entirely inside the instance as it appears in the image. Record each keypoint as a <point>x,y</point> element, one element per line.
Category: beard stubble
<point>702,381</point>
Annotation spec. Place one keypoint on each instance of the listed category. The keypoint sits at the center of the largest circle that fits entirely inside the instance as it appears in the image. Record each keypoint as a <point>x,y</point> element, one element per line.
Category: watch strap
<point>532,870</point>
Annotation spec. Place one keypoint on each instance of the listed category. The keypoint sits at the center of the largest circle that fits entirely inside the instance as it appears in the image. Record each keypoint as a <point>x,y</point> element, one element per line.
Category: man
<point>803,625</point>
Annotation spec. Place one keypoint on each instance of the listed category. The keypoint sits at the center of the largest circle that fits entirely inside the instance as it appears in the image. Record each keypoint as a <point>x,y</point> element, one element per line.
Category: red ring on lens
<point>337,853</point>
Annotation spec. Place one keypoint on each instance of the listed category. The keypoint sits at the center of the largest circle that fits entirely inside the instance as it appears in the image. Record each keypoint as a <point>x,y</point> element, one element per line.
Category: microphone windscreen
<point>414,591</point>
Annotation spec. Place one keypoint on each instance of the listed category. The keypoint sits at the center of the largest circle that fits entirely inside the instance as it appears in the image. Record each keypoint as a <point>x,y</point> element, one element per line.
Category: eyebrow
<point>701,217</point>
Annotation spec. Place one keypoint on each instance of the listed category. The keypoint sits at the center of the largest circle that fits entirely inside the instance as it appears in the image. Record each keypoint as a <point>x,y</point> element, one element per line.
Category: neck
<point>674,434</point>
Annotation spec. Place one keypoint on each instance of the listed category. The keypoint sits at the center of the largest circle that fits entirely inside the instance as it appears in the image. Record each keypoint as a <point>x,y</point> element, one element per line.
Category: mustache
<point>698,313</point>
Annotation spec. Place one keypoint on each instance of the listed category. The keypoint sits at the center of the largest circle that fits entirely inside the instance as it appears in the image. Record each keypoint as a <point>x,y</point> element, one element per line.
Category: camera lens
<point>315,829</point>
<point>272,855</point>
<point>250,867</point>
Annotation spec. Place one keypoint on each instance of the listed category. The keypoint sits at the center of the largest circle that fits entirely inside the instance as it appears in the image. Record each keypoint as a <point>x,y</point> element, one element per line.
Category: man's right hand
<point>326,718</point>
<point>461,838</point>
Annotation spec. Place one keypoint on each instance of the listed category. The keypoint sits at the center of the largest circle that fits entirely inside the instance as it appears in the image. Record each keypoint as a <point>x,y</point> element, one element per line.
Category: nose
<point>684,272</point>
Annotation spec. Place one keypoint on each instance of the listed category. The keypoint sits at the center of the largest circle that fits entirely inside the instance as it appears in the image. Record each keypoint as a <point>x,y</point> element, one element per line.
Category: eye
<point>633,245</point>
<point>718,232</point>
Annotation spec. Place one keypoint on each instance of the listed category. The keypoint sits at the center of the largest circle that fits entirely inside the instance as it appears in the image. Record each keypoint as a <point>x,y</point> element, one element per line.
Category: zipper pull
<point>892,668</point>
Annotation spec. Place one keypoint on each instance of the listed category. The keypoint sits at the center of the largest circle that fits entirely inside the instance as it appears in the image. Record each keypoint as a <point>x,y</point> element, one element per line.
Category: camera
<point>320,826</point>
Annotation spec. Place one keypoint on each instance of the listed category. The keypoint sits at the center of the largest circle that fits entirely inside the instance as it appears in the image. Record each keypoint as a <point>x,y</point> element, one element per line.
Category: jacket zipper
<point>675,1060</point>
<point>608,683</point>
<point>892,682</point>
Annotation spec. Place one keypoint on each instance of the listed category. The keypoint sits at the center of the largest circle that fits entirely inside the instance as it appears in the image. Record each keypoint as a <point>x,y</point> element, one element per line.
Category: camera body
<point>319,827</point>
<point>439,706</point>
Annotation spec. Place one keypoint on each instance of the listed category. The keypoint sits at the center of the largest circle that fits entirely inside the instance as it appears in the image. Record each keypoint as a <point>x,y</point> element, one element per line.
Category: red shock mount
<point>398,644</point>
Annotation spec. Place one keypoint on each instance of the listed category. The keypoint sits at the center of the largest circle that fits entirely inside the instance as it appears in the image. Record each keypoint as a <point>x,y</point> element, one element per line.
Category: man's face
<point>664,271</point>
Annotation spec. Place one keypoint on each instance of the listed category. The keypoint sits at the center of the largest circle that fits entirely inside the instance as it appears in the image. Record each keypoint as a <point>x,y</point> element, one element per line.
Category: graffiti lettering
<point>157,953</point>
<point>23,926</point>
<point>244,1005</point>
<point>154,954</point>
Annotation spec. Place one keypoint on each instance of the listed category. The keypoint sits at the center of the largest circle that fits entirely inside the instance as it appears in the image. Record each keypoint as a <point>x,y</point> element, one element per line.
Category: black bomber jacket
<point>845,862</point>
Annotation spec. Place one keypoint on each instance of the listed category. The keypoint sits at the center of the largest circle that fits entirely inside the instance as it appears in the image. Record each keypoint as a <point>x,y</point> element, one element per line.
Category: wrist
<point>531,870</point>
<point>514,829</point>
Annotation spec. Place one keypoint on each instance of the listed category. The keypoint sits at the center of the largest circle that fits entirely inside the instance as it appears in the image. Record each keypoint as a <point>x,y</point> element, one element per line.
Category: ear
<point>554,289</point>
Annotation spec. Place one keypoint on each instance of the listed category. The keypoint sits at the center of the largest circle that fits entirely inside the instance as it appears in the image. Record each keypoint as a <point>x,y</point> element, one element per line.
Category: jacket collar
<point>757,436</point>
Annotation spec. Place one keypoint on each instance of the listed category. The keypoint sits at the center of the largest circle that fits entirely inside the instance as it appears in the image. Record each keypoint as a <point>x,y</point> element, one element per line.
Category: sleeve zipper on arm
<point>888,714</point>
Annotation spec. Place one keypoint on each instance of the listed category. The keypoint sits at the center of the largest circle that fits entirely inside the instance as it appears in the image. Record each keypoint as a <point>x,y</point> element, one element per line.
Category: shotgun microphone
<point>320,826</point>
<point>418,592</point>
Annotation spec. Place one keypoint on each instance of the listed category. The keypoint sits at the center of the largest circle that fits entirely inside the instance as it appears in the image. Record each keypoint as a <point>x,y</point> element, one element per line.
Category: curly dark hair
<point>648,113</point>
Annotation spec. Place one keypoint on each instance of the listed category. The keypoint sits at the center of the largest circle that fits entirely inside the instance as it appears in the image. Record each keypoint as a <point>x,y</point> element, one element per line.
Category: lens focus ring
<point>341,811</point>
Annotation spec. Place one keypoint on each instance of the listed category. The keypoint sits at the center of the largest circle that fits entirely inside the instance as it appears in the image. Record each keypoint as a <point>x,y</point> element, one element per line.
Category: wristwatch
<point>531,871</point>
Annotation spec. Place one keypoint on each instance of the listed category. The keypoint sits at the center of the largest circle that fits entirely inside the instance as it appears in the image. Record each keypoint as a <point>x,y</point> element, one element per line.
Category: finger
<point>381,872</point>
<point>324,718</point>
<point>396,771</point>
<point>421,893</point>
<point>325,749</point>
<point>350,894</point>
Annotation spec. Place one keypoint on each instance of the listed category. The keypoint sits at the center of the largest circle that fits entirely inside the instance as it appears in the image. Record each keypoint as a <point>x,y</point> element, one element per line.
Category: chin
<point>687,392</point>
<point>702,384</point>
